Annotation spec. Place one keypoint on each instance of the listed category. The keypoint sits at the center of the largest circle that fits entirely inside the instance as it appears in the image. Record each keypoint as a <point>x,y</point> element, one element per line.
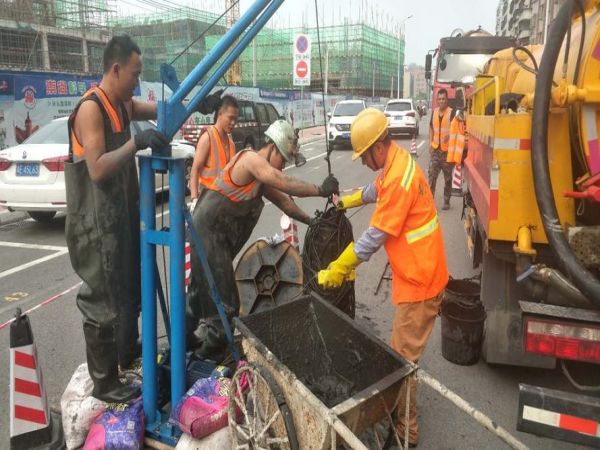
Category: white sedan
<point>32,176</point>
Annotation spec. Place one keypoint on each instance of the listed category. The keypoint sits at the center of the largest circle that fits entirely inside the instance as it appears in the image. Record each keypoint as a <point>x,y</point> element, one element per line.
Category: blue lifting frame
<point>171,116</point>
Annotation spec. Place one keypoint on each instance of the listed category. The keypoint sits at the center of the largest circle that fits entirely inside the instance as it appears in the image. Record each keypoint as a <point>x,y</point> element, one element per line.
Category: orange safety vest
<point>217,157</point>
<point>226,186</point>
<point>441,129</point>
<point>406,212</point>
<point>456,144</point>
<point>118,121</point>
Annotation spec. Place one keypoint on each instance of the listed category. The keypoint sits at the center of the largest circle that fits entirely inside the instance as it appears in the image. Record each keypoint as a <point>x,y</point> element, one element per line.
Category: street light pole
<point>401,39</point>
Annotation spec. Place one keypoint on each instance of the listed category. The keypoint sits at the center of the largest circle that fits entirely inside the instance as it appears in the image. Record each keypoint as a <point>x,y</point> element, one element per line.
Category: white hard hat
<point>281,133</point>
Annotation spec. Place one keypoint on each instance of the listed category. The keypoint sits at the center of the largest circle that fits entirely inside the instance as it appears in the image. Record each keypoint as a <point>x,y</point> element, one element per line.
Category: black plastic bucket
<point>463,316</point>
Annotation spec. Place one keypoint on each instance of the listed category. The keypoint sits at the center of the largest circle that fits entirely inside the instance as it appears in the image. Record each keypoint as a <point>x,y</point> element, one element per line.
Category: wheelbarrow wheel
<point>259,417</point>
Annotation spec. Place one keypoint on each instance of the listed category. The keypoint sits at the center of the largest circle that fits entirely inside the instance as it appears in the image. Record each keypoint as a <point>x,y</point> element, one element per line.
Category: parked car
<point>253,121</point>
<point>402,117</point>
<point>338,129</point>
<point>32,173</point>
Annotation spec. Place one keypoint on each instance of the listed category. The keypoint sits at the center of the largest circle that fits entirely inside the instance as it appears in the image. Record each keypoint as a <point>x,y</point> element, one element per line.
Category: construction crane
<point>234,74</point>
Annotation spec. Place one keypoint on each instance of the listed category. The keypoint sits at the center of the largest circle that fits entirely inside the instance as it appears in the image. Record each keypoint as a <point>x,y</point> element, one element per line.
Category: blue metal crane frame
<point>171,116</point>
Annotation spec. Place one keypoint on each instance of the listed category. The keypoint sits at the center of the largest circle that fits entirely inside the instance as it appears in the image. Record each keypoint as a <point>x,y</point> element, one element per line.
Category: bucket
<point>463,316</point>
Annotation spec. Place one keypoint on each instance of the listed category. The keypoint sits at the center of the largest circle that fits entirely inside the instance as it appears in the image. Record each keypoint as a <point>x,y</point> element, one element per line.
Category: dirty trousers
<point>412,326</point>
<point>437,162</point>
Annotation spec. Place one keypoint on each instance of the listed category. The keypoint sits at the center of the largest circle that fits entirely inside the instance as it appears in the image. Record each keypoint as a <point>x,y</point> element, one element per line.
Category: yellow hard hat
<point>368,127</point>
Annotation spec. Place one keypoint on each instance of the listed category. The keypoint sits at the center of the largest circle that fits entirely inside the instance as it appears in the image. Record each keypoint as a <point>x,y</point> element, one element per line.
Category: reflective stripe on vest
<point>441,129</point>
<point>457,142</point>
<point>409,173</point>
<point>423,231</point>
<point>217,157</point>
<point>225,185</point>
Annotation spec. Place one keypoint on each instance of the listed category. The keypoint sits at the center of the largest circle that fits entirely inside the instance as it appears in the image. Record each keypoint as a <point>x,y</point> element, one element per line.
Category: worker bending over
<point>405,222</point>
<point>225,216</point>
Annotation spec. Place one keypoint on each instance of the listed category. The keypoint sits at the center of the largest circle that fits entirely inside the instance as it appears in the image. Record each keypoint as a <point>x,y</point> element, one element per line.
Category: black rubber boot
<point>102,359</point>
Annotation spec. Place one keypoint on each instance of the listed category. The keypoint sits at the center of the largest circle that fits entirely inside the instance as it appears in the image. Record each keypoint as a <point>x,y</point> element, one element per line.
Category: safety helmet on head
<point>281,133</point>
<point>368,127</point>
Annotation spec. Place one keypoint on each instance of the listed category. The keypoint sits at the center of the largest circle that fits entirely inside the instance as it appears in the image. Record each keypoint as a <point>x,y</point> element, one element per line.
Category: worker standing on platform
<point>215,147</point>
<point>225,216</point>
<point>439,139</point>
<point>405,222</point>
<point>103,225</point>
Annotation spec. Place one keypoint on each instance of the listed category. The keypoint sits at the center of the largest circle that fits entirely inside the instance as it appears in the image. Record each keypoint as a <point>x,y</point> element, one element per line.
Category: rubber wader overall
<point>224,227</point>
<point>102,231</point>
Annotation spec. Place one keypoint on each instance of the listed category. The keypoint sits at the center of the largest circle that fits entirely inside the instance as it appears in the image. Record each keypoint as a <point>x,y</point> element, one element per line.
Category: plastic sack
<point>120,427</point>
<point>203,409</point>
<point>79,408</point>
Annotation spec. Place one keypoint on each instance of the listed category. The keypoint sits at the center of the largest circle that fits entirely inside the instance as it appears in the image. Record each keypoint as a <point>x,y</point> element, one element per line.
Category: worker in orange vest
<point>215,148</point>
<point>406,223</point>
<point>439,140</point>
<point>225,215</point>
<point>458,133</point>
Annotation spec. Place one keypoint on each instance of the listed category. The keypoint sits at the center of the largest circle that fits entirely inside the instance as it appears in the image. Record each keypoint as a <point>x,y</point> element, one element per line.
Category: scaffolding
<point>358,59</point>
<point>163,36</point>
<point>54,35</point>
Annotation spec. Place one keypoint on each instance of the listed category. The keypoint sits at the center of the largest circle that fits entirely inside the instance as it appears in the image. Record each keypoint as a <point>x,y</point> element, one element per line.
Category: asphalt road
<point>34,267</point>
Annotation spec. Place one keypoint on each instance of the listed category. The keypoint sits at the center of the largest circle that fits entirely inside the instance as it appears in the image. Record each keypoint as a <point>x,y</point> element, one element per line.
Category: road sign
<point>301,69</point>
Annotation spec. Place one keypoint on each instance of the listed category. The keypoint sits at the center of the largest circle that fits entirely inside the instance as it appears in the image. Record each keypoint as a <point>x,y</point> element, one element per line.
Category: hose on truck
<point>587,283</point>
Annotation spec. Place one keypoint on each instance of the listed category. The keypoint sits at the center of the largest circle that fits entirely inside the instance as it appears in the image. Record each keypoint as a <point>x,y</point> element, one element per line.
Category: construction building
<point>54,35</point>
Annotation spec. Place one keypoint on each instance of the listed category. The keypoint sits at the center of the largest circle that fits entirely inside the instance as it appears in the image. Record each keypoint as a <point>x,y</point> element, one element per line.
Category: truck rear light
<point>56,164</point>
<point>411,114</point>
<point>4,164</point>
<point>563,340</point>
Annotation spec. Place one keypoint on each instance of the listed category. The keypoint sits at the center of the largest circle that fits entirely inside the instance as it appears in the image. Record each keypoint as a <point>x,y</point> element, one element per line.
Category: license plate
<point>28,169</point>
<point>346,135</point>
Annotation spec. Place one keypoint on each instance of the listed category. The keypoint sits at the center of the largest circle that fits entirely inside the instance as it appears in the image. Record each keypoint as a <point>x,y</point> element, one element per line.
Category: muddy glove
<point>150,138</point>
<point>350,201</point>
<point>329,187</point>
<point>340,270</point>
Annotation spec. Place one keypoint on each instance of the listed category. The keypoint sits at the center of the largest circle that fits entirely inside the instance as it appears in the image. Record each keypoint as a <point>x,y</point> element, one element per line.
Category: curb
<point>9,217</point>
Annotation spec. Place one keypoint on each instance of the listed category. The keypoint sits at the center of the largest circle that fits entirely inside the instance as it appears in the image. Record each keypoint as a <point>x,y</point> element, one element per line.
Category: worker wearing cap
<point>225,216</point>
<point>405,222</point>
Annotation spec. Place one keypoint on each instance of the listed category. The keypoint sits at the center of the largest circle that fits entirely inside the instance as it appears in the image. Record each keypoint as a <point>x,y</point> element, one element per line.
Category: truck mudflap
<point>559,415</point>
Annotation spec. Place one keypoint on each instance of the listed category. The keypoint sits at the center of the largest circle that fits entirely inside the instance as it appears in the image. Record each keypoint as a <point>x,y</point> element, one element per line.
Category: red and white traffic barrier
<point>457,180</point>
<point>413,147</point>
<point>188,265</point>
<point>30,421</point>
<point>290,230</point>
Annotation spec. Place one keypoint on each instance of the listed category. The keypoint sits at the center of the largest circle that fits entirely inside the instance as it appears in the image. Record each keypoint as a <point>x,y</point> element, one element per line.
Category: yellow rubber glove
<point>350,201</point>
<point>340,270</point>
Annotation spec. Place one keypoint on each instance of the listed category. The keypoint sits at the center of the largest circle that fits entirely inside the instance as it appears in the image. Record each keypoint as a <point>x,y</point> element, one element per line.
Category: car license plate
<point>346,135</point>
<point>28,169</point>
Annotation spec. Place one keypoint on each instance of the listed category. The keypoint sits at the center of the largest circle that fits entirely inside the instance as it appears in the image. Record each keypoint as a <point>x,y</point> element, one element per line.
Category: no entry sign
<point>301,69</point>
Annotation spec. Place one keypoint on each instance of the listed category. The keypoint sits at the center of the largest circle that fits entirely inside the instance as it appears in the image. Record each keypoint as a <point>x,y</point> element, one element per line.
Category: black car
<point>253,121</point>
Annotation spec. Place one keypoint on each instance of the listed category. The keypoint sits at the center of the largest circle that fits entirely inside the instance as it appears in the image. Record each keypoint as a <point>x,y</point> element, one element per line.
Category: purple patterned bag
<point>120,427</point>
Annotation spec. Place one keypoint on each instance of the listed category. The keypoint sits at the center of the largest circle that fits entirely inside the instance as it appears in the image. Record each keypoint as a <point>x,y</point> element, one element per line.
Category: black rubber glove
<point>150,138</point>
<point>211,102</point>
<point>329,187</point>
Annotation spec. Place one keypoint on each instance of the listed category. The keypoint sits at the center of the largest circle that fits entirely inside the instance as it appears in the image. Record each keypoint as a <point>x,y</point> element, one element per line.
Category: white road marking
<point>420,144</point>
<point>35,262</point>
<point>52,248</point>
<point>307,160</point>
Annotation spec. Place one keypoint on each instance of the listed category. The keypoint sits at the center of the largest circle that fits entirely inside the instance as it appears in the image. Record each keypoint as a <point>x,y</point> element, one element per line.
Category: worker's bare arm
<point>200,158</point>
<point>270,176</point>
<point>286,204</point>
<point>89,129</point>
<point>142,110</point>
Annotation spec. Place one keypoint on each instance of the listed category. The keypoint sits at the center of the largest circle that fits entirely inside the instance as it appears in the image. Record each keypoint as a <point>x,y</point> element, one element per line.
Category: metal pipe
<point>481,418</point>
<point>217,52</point>
<point>148,266</point>
<point>233,55</point>
<point>177,275</point>
<point>560,283</point>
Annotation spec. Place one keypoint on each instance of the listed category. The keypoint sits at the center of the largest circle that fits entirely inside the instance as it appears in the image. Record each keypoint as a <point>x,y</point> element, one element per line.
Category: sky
<point>432,19</point>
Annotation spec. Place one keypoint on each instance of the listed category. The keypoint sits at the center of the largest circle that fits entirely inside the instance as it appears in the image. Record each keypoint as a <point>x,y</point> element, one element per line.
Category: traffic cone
<point>31,424</point>
<point>290,231</point>
<point>413,148</point>
<point>457,181</point>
